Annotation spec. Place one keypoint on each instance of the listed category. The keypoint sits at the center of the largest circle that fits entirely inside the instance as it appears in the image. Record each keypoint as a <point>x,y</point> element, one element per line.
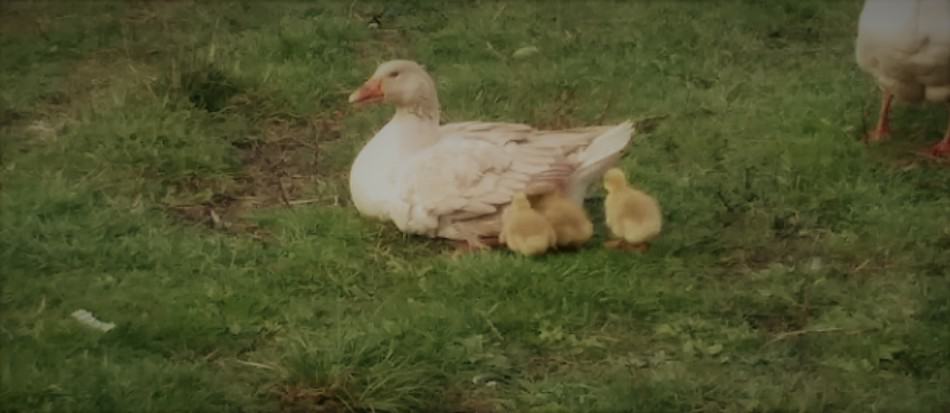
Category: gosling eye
<point>394,74</point>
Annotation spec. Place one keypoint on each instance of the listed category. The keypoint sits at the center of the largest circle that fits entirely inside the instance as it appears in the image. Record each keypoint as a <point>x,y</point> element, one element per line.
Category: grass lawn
<point>180,169</point>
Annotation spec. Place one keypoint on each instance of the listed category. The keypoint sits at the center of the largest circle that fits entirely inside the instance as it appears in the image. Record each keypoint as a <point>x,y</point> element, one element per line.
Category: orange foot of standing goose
<point>883,129</point>
<point>942,148</point>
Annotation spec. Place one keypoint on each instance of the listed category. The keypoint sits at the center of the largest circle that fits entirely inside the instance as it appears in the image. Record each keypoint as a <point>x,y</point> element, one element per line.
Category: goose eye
<point>393,74</point>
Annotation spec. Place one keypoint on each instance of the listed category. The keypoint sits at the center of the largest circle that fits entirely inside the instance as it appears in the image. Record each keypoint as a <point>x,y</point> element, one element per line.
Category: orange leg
<point>942,148</point>
<point>883,128</point>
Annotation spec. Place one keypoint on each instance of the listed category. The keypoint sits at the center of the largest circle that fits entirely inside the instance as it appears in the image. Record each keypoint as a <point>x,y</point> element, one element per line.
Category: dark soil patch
<point>559,115</point>
<point>17,18</point>
<point>296,399</point>
<point>279,152</point>
<point>283,165</point>
<point>9,117</point>
<point>280,168</point>
<point>222,211</point>
<point>778,322</point>
<point>474,400</point>
<point>208,89</point>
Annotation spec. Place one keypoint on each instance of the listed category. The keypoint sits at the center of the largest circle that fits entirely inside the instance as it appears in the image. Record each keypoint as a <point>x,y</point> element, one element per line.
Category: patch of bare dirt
<point>280,168</point>
<point>155,12</point>
<point>775,322</point>
<point>558,114</point>
<point>9,117</point>
<point>299,399</point>
<point>22,18</point>
<point>475,401</point>
<point>296,399</point>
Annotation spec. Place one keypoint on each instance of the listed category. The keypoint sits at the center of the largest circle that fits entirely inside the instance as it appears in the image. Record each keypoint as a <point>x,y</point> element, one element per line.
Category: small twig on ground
<point>215,219</point>
<point>796,333</point>
<point>246,198</point>
<point>284,196</point>
<point>305,201</point>
<point>182,206</point>
<point>494,51</point>
<point>261,235</point>
<point>41,307</point>
<point>861,266</point>
<point>493,329</point>
<point>313,128</point>
<point>258,365</point>
<point>303,143</point>
<point>499,12</point>
<point>491,325</point>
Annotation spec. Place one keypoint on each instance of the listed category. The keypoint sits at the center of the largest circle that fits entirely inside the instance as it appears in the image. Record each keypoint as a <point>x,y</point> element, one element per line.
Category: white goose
<point>905,45</point>
<point>452,180</point>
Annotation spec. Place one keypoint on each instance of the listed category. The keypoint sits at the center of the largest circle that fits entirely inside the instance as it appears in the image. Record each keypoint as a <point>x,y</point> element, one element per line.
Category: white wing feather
<point>457,188</point>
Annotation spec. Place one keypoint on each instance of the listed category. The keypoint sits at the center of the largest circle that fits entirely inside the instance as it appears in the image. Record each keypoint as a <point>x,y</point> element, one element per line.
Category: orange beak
<point>370,92</point>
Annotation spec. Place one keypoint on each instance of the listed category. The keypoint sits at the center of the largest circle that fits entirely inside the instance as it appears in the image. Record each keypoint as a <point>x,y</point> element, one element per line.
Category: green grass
<point>799,270</point>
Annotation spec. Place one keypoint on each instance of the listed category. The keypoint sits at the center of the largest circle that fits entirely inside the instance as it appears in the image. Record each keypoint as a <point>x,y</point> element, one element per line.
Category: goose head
<point>403,84</point>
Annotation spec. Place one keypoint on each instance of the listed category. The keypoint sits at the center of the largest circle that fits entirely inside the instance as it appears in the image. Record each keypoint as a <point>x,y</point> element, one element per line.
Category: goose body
<point>453,180</point>
<point>905,46</point>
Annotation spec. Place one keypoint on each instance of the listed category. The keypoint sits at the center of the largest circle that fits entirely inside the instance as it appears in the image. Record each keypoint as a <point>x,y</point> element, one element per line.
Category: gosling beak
<point>370,92</point>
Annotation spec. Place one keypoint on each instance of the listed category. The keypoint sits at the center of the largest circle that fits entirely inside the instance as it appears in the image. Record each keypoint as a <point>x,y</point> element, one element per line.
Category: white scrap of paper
<point>87,319</point>
<point>525,52</point>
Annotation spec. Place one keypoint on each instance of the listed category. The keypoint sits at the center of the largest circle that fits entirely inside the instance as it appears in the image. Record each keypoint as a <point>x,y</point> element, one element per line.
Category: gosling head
<point>614,180</point>
<point>520,202</point>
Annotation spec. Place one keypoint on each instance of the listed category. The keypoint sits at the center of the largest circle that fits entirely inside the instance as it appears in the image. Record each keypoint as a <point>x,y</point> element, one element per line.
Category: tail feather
<point>602,153</point>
